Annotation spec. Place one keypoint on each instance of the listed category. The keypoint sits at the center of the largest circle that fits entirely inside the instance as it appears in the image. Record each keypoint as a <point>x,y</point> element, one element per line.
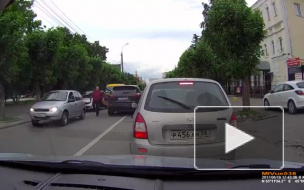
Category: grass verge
<point>9,119</point>
<point>25,102</point>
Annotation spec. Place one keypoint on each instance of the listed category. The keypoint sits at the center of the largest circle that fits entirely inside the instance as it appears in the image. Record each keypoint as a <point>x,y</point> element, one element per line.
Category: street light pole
<point>121,55</point>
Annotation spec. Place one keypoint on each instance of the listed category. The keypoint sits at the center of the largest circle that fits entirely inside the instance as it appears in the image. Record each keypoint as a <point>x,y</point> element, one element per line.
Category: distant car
<point>123,98</point>
<point>107,92</point>
<point>164,119</point>
<point>289,95</point>
<point>87,98</point>
<point>58,105</point>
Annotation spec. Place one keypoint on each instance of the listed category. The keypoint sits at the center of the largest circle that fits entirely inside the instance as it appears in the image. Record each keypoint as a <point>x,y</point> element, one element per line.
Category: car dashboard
<point>17,179</point>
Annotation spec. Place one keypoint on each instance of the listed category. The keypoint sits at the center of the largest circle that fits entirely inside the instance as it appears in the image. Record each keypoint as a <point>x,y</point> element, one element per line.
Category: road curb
<point>14,125</point>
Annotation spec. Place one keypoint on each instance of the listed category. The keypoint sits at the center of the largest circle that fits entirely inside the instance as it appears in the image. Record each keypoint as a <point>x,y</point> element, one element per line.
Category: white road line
<point>88,146</point>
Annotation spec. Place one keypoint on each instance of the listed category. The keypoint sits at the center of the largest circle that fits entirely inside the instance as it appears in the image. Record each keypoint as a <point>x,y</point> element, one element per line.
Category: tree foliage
<point>39,59</point>
<point>16,21</point>
<point>229,47</point>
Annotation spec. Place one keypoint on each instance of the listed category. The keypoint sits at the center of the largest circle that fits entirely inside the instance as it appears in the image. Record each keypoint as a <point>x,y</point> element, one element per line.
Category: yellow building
<point>284,23</point>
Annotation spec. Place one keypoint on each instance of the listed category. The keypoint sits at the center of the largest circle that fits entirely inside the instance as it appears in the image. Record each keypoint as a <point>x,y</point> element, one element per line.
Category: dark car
<point>123,98</point>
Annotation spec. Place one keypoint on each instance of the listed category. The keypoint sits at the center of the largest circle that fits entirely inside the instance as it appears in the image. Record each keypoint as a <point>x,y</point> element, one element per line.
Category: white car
<point>58,105</point>
<point>288,95</point>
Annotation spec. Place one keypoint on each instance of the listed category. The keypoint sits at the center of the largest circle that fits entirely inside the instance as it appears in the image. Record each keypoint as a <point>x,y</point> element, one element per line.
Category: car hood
<point>155,161</point>
<point>47,104</point>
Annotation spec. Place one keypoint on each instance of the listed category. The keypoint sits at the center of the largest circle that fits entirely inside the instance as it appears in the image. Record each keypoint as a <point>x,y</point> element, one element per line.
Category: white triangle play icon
<point>235,138</point>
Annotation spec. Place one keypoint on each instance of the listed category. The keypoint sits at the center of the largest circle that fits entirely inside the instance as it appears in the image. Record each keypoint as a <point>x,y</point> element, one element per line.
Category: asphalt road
<point>105,135</point>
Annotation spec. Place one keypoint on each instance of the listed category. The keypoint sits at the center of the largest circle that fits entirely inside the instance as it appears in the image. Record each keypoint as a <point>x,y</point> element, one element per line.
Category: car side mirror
<point>271,91</point>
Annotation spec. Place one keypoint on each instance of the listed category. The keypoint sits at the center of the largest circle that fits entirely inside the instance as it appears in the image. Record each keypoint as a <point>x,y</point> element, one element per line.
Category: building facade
<point>284,23</point>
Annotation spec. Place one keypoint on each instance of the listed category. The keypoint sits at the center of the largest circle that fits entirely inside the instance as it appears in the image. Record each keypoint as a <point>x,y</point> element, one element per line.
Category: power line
<point>58,16</point>
<point>46,12</point>
<point>70,20</point>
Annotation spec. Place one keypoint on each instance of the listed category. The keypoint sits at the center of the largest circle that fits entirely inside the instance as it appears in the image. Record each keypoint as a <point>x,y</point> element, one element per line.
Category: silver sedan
<point>59,105</point>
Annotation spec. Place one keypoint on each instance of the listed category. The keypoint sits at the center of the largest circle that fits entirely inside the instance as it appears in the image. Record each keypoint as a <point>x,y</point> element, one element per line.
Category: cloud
<point>158,31</point>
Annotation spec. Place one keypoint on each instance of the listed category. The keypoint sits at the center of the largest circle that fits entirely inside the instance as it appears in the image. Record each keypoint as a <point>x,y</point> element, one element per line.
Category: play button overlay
<point>235,138</point>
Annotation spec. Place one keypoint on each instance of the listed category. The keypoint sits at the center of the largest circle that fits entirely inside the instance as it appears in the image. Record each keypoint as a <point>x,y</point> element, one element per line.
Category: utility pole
<point>121,55</point>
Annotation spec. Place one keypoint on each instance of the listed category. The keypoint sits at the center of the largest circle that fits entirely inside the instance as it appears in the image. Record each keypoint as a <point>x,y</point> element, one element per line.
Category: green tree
<point>43,48</point>
<point>15,22</point>
<point>235,31</point>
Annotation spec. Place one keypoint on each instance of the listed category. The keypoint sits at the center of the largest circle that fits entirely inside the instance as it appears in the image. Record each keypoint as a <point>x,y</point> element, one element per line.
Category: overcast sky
<point>158,31</point>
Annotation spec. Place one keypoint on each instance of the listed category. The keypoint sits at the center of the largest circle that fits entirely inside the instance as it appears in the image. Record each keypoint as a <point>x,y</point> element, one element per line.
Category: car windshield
<point>55,96</point>
<point>161,96</point>
<point>152,83</point>
<point>87,95</point>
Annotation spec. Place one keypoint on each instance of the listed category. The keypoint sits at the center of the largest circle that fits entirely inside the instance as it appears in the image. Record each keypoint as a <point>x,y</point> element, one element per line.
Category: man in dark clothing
<point>97,97</point>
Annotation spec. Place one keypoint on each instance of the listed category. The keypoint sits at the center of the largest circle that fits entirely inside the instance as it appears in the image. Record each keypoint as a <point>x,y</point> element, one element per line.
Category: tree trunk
<point>37,89</point>
<point>246,92</point>
<point>229,87</point>
<point>2,102</point>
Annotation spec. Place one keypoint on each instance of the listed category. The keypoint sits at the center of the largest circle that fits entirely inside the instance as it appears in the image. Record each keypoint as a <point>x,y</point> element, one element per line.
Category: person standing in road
<point>97,97</point>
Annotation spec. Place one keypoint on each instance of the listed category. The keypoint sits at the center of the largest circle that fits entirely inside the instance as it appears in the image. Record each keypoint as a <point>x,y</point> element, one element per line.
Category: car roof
<point>125,86</point>
<point>182,79</point>
<point>64,91</point>
<point>290,82</point>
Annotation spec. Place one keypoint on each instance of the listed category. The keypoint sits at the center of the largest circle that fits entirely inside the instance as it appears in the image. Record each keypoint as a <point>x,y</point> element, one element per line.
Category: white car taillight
<point>299,92</point>
<point>140,128</point>
<point>233,120</point>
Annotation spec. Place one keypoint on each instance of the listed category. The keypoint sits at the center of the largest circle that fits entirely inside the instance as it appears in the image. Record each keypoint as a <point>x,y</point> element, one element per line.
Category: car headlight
<point>32,109</point>
<point>54,109</point>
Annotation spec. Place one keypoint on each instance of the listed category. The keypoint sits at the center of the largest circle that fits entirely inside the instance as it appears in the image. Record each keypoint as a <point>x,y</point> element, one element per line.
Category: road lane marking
<point>88,146</point>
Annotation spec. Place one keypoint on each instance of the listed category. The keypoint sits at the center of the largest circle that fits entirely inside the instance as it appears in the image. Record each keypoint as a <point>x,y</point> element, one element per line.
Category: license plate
<point>122,98</point>
<point>175,135</point>
<point>41,115</point>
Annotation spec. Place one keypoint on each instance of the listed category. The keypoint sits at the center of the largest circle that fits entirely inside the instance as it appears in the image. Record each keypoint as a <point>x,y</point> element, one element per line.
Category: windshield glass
<point>55,96</point>
<point>153,82</point>
<point>87,95</point>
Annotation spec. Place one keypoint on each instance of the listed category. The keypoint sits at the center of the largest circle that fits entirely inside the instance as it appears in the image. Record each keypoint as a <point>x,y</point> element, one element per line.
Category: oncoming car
<point>289,95</point>
<point>58,105</point>
<point>164,119</point>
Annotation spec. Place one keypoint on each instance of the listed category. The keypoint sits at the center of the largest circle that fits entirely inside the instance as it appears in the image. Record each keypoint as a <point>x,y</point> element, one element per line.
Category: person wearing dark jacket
<point>97,97</point>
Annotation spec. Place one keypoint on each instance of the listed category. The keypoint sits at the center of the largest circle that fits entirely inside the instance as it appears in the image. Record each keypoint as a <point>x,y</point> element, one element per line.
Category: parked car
<point>289,95</point>
<point>164,119</point>
<point>87,98</point>
<point>58,105</point>
<point>123,98</point>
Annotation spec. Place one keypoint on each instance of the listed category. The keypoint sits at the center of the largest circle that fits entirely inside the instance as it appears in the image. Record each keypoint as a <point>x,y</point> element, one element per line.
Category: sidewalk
<point>20,112</point>
<point>237,101</point>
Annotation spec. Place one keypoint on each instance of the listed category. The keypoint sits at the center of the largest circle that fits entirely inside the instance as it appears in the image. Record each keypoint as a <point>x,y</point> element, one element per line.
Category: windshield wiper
<point>93,167</point>
<point>175,101</point>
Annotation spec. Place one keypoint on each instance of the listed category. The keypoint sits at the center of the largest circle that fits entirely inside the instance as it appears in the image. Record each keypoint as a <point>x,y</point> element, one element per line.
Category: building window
<point>273,47</point>
<point>267,12</point>
<point>266,50</point>
<point>298,9</point>
<point>281,44</point>
<point>274,9</point>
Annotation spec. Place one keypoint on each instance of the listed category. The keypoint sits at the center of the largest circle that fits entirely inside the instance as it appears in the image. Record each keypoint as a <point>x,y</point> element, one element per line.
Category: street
<point>110,135</point>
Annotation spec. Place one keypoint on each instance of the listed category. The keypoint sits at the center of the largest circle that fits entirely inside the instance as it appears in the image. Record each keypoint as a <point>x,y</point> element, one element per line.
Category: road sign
<point>293,62</point>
